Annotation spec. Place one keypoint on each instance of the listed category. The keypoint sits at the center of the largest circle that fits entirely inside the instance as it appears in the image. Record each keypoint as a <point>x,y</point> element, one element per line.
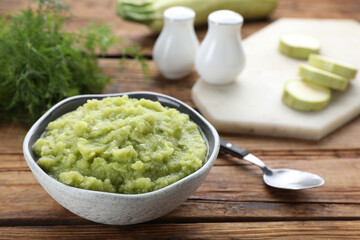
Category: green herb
<point>41,64</point>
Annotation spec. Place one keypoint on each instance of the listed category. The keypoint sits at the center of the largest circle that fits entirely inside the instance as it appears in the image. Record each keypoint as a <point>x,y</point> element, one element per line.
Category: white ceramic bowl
<point>115,208</point>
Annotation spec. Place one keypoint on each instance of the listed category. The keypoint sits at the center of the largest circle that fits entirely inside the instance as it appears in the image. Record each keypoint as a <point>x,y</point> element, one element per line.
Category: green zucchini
<point>150,12</point>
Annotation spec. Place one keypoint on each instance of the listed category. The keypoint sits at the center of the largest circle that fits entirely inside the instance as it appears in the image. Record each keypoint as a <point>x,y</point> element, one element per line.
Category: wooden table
<point>233,202</point>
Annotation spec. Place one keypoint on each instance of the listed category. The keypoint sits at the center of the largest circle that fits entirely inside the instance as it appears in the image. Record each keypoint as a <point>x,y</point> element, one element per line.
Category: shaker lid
<point>225,17</point>
<point>179,14</point>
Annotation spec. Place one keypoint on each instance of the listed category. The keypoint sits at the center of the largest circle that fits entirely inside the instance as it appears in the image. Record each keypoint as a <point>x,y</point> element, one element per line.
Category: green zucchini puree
<point>121,145</point>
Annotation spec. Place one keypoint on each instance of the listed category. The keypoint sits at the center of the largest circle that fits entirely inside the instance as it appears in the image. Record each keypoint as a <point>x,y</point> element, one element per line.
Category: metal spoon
<point>278,178</point>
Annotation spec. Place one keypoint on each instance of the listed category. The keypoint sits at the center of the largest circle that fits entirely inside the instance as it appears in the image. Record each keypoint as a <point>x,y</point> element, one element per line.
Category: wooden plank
<point>230,193</point>
<point>318,9</point>
<point>343,141</point>
<point>232,211</point>
<point>13,162</point>
<point>226,183</point>
<point>237,230</point>
<point>11,137</point>
<point>21,206</point>
<point>9,6</point>
<point>104,11</point>
<point>132,80</point>
<point>84,12</point>
<point>242,182</point>
<point>16,162</point>
<point>139,34</point>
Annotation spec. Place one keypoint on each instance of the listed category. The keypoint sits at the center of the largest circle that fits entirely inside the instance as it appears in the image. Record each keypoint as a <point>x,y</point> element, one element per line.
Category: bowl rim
<point>209,161</point>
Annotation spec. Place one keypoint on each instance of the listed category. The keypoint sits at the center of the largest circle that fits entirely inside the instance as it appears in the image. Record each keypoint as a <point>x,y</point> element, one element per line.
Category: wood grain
<point>230,193</point>
<point>104,11</point>
<point>242,182</point>
<point>233,202</point>
<point>226,230</point>
<point>344,141</point>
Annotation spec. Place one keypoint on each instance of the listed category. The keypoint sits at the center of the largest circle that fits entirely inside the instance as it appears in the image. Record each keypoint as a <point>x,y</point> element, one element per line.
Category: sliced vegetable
<point>150,12</point>
<point>298,45</point>
<point>323,78</point>
<point>332,66</point>
<point>305,96</point>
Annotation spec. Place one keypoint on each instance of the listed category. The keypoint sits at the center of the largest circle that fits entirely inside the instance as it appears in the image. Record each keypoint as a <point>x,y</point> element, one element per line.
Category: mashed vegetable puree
<point>121,145</point>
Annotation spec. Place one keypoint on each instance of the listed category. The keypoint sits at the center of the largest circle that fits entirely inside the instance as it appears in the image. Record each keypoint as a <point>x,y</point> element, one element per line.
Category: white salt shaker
<point>175,49</point>
<point>220,58</point>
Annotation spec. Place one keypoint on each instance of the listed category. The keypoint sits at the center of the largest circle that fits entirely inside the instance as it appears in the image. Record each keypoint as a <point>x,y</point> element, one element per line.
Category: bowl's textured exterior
<point>114,208</point>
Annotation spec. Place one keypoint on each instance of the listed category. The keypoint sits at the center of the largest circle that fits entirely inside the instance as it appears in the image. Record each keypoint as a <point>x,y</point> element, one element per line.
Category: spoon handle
<point>234,150</point>
<point>242,153</point>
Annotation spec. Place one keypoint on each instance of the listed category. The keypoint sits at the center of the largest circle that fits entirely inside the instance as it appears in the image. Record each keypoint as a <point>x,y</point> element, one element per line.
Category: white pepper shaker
<point>220,58</point>
<point>175,49</point>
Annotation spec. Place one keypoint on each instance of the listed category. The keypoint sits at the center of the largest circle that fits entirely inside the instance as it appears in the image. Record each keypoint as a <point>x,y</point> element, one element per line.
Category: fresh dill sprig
<point>138,56</point>
<point>42,64</point>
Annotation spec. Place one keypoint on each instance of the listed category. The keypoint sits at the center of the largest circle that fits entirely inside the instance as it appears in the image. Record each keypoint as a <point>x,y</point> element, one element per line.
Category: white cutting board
<point>253,103</point>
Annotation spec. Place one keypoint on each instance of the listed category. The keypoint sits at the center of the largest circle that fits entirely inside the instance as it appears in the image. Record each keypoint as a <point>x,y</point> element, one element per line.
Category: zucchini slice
<point>305,96</point>
<point>323,78</point>
<point>332,66</point>
<point>298,45</point>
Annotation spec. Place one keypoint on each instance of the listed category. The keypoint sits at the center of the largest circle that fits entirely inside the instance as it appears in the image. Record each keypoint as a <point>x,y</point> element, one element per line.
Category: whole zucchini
<point>150,12</point>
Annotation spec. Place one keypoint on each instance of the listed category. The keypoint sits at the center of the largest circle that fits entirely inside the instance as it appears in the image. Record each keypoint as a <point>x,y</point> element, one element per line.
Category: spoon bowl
<point>291,179</point>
